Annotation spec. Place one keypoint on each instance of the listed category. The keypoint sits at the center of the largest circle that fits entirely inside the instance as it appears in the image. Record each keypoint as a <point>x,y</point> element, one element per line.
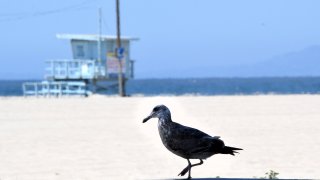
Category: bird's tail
<point>230,150</point>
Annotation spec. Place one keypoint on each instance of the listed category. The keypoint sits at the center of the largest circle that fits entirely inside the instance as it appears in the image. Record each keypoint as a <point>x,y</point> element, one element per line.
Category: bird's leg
<point>185,170</point>
<point>197,164</point>
<point>189,165</point>
<point>201,162</point>
<point>188,168</point>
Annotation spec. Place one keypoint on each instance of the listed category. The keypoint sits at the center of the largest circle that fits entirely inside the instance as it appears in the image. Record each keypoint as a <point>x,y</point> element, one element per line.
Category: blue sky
<point>175,35</point>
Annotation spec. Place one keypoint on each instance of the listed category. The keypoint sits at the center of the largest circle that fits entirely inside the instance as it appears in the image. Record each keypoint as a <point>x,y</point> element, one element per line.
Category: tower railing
<point>73,69</point>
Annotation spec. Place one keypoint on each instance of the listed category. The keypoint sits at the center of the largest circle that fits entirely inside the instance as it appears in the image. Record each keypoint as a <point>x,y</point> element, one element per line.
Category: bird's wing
<point>208,144</point>
<point>193,140</point>
<point>189,132</point>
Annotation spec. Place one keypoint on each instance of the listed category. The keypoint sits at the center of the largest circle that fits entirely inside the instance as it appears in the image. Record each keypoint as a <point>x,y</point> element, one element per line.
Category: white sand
<point>103,137</point>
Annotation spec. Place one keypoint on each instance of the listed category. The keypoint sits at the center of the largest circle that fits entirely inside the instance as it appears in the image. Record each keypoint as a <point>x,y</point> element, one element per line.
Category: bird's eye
<point>156,109</point>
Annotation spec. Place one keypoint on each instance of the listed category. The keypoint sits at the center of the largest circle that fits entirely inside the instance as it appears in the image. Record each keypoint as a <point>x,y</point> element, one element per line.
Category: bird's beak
<point>146,119</point>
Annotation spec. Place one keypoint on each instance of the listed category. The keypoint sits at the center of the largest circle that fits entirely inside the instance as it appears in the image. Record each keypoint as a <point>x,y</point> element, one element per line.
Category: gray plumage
<point>187,142</point>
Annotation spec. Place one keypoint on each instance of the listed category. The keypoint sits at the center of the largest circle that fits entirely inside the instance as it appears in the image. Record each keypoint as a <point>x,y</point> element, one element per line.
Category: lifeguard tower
<point>94,67</point>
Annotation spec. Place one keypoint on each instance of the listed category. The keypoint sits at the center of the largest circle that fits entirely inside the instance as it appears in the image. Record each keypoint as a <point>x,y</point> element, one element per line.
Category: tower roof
<point>93,37</point>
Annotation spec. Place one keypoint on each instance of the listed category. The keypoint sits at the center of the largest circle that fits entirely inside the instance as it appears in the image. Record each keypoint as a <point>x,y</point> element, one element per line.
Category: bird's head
<point>158,112</point>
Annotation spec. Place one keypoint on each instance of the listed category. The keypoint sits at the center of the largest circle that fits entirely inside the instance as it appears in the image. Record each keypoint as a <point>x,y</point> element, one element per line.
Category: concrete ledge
<point>232,179</point>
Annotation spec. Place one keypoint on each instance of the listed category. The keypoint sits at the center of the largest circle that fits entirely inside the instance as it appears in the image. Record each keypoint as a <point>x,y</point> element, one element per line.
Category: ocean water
<point>201,86</point>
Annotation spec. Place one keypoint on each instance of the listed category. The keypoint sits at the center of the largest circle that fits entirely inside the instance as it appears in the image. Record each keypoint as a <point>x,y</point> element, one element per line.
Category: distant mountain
<point>302,63</point>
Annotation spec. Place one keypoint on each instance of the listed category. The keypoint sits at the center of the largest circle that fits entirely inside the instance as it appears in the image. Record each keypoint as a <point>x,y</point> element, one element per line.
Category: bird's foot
<point>184,171</point>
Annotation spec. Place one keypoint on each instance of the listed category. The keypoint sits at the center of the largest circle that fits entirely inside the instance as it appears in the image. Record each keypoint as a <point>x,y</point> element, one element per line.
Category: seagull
<point>187,142</point>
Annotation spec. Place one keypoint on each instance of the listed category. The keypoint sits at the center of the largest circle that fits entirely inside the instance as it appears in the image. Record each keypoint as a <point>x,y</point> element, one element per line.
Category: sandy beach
<point>103,137</point>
